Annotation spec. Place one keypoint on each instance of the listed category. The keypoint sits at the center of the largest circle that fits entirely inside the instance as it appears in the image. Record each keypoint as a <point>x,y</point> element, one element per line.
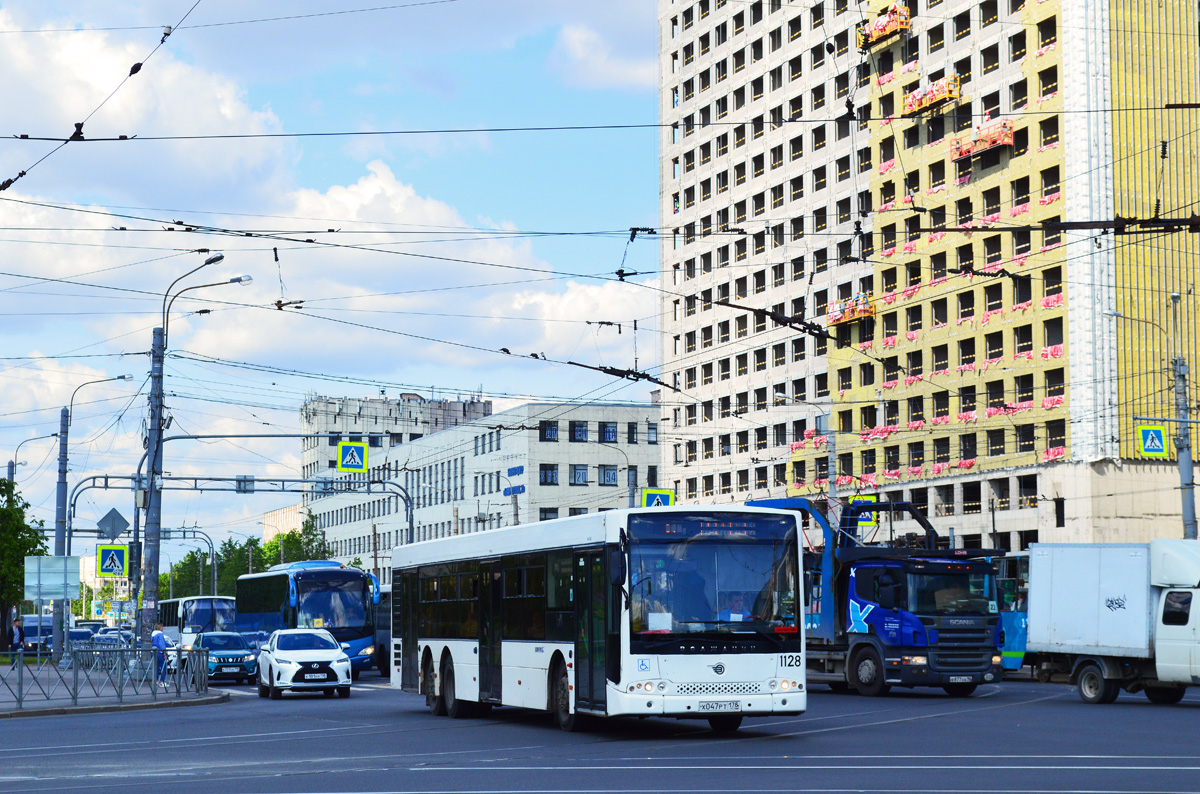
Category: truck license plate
<point>231,669</point>
<point>960,679</point>
<point>720,705</point>
<point>314,676</point>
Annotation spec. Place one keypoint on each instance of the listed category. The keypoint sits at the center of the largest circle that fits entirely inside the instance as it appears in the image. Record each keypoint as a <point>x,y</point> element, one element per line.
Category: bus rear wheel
<point>455,708</point>
<point>726,723</point>
<point>566,719</point>
<point>433,702</point>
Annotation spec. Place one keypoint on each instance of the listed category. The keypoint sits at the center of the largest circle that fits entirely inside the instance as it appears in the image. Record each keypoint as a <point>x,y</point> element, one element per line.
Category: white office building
<point>532,463</point>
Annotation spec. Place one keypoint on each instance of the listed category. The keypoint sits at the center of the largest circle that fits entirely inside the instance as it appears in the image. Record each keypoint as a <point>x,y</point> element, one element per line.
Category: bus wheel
<point>960,690</point>
<point>455,709</point>
<point>435,703</point>
<point>868,673</point>
<point>726,723</point>
<point>568,720</point>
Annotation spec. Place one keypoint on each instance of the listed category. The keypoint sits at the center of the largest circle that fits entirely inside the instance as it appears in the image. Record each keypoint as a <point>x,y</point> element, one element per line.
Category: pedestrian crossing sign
<point>1152,441</point>
<point>657,497</point>
<point>112,562</point>
<point>352,456</point>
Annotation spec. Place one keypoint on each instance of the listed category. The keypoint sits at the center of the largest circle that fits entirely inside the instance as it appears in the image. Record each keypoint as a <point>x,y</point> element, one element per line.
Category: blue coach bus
<point>317,594</point>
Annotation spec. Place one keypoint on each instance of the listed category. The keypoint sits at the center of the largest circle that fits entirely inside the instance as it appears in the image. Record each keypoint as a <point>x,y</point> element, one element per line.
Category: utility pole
<point>60,524</point>
<point>375,549</point>
<point>1183,447</point>
<point>516,516</point>
<point>154,487</point>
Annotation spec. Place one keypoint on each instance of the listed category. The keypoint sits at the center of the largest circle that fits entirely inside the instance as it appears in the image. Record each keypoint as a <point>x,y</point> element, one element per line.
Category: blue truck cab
<point>909,613</point>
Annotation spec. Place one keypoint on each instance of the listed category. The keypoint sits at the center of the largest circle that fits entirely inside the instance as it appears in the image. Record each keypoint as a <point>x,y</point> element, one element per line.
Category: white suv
<point>302,659</point>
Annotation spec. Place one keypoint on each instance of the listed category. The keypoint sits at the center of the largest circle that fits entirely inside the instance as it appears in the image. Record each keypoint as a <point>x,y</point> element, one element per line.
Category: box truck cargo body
<point>1108,617</point>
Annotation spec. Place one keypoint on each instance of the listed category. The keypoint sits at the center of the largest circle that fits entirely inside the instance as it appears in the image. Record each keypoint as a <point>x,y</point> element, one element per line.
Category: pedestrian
<point>159,640</point>
<point>16,642</point>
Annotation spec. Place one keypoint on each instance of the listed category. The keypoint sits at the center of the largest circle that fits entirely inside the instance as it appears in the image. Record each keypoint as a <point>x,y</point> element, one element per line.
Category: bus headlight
<point>367,651</point>
<point>784,685</point>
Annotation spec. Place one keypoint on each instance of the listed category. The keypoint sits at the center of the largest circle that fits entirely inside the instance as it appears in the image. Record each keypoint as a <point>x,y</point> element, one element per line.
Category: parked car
<point>303,659</point>
<point>78,635</point>
<point>229,656</point>
<point>92,626</point>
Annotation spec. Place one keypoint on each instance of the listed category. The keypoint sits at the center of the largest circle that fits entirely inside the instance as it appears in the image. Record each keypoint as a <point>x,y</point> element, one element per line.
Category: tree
<point>18,539</point>
<point>355,563</point>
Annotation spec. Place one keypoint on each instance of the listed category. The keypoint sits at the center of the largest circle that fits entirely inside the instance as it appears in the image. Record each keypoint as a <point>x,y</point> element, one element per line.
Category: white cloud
<point>586,59</point>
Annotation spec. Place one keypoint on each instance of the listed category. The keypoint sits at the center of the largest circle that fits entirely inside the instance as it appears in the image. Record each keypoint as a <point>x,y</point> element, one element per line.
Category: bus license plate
<point>960,679</point>
<point>231,669</point>
<point>314,676</point>
<point>720,705</point>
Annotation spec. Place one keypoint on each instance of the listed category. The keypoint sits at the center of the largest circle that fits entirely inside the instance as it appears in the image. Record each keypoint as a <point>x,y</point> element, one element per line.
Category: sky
<point>415,257</point>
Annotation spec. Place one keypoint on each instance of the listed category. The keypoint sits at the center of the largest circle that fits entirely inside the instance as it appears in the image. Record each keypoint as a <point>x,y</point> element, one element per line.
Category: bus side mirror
<point>616,568</point>
<point>292,597</point>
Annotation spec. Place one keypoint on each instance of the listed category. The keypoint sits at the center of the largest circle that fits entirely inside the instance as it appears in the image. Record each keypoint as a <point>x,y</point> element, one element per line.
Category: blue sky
<point>461,64</point>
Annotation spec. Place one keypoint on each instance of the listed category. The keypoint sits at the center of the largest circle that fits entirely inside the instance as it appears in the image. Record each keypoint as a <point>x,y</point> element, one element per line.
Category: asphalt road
<point>1015,737</point>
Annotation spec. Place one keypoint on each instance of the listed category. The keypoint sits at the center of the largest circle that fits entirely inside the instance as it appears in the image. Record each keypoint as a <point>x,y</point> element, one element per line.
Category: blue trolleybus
<point>318,594</point>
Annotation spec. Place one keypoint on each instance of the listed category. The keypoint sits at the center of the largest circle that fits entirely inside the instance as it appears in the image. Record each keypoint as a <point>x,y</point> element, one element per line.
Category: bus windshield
<point>208,614</point>
<point>967,593</point>
<point>729,572</point>
<point>338,606</point>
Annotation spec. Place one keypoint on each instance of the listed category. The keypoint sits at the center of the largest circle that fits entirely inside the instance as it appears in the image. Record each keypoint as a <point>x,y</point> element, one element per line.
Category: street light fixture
<point>15,462</point>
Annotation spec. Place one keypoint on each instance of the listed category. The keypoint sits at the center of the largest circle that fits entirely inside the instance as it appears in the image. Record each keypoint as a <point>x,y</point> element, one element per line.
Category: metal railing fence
<point>96,672</point>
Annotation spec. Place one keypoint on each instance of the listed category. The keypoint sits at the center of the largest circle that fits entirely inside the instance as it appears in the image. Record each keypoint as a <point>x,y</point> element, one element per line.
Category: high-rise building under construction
<point>954,197</point>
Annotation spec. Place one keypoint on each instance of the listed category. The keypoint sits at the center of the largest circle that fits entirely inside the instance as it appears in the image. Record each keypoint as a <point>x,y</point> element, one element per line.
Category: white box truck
<point>1107,617</point>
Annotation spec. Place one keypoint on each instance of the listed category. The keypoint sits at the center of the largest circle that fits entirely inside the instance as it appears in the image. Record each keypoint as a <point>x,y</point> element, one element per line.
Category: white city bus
<point>687,612</point>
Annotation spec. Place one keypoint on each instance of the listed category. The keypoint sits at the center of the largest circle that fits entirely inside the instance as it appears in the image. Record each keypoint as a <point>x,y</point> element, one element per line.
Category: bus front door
<point>591,609</point>
<point>491,593</point>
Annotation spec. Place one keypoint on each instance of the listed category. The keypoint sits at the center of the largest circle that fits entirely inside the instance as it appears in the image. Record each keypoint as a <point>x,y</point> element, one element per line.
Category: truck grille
<point>719,689</point>
<point>945,660</point>
<point>948,637</point>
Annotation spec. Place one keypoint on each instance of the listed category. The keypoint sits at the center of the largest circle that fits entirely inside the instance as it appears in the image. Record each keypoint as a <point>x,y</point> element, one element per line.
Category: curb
<point>207,700</point>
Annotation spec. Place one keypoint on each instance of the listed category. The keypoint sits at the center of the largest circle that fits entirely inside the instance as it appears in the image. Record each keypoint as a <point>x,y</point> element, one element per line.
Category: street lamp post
<point>60,503</point>
<point>154,443</point>
<point>16,458</point>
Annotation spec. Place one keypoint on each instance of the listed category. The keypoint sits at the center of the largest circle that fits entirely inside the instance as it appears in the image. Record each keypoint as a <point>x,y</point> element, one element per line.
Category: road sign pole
<point>60,522</point>
<point>1183,449</point>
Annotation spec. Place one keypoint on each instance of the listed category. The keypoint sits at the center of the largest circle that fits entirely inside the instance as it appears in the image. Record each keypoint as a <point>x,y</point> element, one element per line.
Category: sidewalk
<point>97,705</point>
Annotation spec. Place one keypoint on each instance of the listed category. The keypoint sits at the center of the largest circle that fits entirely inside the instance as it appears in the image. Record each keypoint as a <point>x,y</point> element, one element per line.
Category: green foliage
<point>193,572</point>
<point>18,539</point>
<point>356,563</point>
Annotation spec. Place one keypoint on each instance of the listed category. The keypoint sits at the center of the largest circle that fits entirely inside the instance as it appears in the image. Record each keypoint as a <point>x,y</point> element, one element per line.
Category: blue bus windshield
<point>337,604</point>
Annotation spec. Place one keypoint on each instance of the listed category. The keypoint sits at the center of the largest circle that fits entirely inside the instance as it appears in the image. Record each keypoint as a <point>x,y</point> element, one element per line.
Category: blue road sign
<point>1152,441</point>
<point>657,497</point>
<point>112,562</point>
<point>352,456</point>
